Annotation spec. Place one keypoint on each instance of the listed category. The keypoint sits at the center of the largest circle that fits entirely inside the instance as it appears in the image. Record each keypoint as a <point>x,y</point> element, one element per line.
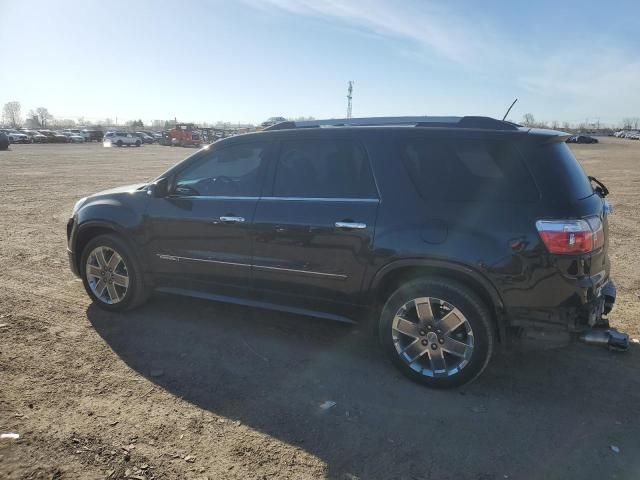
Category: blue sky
<point>246,60</point>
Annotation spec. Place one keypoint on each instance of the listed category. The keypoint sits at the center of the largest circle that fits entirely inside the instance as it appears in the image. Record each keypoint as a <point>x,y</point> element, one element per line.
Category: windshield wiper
<point>600,189</point>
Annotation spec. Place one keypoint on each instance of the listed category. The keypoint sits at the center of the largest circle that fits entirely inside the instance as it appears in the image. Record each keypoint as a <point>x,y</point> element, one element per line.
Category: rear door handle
<point>232,219</point>
<point>353,225</point>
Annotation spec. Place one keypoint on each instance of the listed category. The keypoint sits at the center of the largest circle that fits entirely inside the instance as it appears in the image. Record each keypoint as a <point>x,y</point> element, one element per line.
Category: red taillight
<point>571,237</point>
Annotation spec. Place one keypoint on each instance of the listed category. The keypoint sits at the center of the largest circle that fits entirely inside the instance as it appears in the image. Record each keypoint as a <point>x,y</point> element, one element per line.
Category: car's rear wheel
<point>119,143</point>
<point>137,143</point>
<point>438,332</point>
<point>111,274</point>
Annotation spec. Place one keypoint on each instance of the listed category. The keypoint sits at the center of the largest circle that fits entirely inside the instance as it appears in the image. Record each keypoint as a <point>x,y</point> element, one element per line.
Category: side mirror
<point>159,188</point>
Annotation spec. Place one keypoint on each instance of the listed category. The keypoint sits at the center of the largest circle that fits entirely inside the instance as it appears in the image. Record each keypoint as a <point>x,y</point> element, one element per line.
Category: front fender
<point>109,211</point>
<point>119,213</point>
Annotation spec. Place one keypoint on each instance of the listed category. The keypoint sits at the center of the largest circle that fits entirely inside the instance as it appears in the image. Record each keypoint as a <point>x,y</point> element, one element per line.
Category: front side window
<point>323,169</point>
<point>232,171</point>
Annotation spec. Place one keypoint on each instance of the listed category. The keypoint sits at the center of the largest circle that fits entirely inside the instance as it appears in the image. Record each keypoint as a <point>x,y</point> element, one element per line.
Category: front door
<point>200,234</point>
<point>315,224</point>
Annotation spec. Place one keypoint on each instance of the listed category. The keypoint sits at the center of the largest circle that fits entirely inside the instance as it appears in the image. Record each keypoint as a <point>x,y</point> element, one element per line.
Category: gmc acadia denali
<point>455,234</point>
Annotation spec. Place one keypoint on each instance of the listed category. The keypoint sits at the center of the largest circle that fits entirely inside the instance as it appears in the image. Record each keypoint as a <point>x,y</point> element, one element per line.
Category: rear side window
<point>563,171</point>
<point>468,170</point>
<point>323,169</point>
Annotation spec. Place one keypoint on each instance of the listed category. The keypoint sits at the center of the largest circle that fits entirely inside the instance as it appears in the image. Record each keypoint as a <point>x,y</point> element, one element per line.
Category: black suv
<point>453,233</point>
<point>94,135</point>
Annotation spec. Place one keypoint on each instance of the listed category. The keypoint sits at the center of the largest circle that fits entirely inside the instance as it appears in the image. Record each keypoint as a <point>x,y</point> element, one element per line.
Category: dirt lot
<point>189,389</point>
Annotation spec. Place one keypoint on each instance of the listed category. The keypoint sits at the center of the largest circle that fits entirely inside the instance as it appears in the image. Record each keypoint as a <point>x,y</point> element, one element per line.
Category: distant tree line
<point>42,118</point>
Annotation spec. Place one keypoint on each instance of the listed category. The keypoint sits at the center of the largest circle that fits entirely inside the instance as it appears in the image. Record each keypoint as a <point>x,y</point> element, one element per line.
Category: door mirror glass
<point>159,189</point>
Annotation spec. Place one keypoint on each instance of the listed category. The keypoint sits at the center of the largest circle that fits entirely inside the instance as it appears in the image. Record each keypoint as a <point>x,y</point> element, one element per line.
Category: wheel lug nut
<point>428,327</point>
<point>423,333</point>
<point>434,346</point>
<point>441,340</point>
<point>424,342</point>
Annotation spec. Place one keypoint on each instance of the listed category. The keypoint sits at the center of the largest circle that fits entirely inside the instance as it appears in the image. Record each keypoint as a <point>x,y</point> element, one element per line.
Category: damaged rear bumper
<point>587,322</point>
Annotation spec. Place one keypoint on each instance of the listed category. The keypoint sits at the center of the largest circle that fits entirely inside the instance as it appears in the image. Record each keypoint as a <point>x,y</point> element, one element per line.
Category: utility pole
<point>349,97</point>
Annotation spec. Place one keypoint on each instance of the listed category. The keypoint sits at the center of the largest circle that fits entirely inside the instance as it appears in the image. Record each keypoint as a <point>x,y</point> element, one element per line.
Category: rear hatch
<point>572,219</point>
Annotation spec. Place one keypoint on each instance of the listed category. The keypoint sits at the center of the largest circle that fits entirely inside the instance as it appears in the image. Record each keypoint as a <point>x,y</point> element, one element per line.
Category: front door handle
<point>352,225</point>
<point>232,219</point>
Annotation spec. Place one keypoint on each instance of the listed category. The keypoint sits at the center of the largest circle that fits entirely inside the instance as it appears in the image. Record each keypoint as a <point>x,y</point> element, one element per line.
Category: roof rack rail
<point>434,122</point>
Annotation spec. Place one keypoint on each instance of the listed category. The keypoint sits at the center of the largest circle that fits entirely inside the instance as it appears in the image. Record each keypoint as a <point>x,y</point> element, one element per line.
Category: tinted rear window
<point>562,170</point>
<point>468,170</point>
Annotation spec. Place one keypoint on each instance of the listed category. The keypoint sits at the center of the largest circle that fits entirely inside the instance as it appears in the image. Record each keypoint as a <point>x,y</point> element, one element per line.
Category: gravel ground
<point>188,389</point>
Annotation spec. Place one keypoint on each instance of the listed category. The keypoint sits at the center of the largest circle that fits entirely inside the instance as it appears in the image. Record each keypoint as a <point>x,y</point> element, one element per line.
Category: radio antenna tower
<point>349,97</point>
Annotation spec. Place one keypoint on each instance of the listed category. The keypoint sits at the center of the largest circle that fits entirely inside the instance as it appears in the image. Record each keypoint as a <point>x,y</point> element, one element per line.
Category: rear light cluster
<point>571,237</point>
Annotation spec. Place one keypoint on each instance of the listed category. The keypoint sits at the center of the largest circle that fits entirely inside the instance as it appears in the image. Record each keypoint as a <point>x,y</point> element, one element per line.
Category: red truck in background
<point>185,135</point>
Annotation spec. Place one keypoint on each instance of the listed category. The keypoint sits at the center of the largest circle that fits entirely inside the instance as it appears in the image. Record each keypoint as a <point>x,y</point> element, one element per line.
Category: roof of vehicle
<point>451,122</point>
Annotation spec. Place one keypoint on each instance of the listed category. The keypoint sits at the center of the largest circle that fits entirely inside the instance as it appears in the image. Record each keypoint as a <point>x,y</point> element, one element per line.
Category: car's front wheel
<point>111,274</point>
<point>438,332</point>
<point>137,143</point>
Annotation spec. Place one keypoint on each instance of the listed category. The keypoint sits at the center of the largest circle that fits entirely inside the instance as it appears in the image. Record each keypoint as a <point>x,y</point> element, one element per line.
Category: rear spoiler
<point>547,135</point>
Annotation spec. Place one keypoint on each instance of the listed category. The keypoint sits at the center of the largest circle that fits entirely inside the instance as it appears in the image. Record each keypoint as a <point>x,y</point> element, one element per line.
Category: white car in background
<point>74,137</point>
<point>120,139</point>
<point>16,137</point>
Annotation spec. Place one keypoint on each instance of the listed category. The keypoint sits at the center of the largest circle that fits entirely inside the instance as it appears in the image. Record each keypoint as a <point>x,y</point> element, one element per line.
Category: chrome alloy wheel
<point>432,336</point>
<point>107,275</point>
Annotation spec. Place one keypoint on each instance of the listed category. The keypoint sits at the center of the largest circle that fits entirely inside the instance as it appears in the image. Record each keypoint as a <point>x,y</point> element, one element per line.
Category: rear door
<point>314,225</point>
<point>201,231</point>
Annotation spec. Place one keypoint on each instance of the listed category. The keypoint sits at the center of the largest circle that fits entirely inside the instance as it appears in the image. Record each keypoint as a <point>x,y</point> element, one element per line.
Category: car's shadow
<point>539,414</point>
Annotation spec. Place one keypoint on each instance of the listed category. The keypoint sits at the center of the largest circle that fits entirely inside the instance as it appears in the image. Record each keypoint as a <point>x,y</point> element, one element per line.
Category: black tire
<point>137,292</point>
<point>473,309</point>
<point>137,143</point>
<point>119,143</point>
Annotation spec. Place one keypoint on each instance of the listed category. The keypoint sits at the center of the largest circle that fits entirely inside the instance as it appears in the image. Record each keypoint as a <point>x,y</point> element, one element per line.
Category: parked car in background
<point>35,136</point>
<point>120,139</point>
<point>453,235</point>
<point>93,135</point>
<point>633,136</point>
<point>55,137</point>
<point>146,138</point>
<point>154,135</point>
<point>15,136</point>
<point>272,121</point>
<point>157,136</point>
<point>74,137</point>
<point>581,139</point>
<point>4,141</point>
<point>628,134</point>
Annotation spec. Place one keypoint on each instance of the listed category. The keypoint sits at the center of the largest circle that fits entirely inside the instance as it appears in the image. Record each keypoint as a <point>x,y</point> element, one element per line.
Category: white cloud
<point>590,81</point>
<point>427,25</point>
